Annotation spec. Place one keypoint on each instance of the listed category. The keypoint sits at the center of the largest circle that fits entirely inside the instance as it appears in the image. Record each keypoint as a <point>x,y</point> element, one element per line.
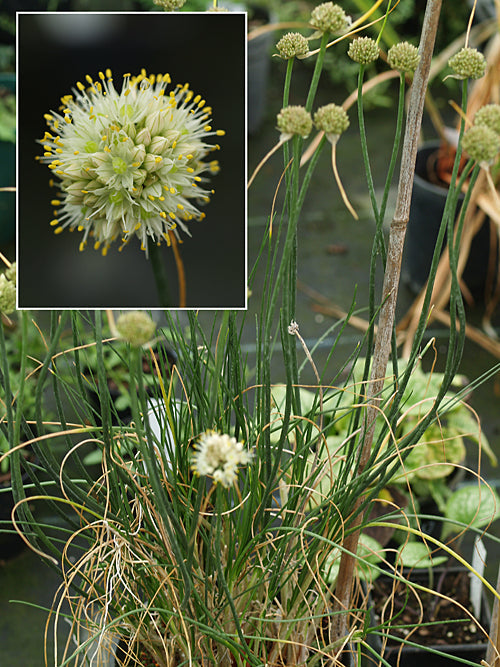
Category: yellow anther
<point>207,128</point>
<point>109,74</point>
<point>172,215</point>
<point>220,133</point>
<point>151,197</point>
<point>76,152</point>
<point>174,144</point>
<point>172,191</point>
<point>54,222</point>
<point>101,76</point>
<point>48,154</point>
<point>162,198</point>
<point>197,178</point>
<point>197,99</point>
<point>59,150</point>
<point>107,149</point>
<point>127,92</point>
<point>58,230</point>
<point>180,207</point>
<point>201,103</point>
<point>163,214</point>
<point>55,202</point>
<point>82,246</point>
<point>80,228</point>
<point>158,158</point>
<point>85,192</point>
<point>138,226</point>
<point>47,116</point>
<point>96,245</point>
<point>105,251</point>
<point>189,157</point>
<point>80,86</point>
<point>89,79</point>
<point>67,119</point>
<point>190,170</point>
<point>60,172</point>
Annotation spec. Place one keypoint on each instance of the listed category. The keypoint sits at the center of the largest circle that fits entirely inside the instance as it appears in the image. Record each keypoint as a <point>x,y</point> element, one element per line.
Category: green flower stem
<point>364,148</point>
<point>317,71</point>
<point>160,274</point>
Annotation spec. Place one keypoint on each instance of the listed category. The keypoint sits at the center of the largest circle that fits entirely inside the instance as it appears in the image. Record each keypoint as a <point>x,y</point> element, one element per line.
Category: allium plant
<point>223,525</point>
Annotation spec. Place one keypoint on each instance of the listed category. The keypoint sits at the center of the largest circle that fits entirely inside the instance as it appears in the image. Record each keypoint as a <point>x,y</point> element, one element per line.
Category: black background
<point>208,51</point>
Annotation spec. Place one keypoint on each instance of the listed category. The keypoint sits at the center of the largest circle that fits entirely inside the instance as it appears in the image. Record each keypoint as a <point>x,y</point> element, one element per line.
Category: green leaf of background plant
<point>473,505</point>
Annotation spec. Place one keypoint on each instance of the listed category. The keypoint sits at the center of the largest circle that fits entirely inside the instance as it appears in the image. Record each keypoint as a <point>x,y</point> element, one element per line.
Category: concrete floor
<point>324,223</point>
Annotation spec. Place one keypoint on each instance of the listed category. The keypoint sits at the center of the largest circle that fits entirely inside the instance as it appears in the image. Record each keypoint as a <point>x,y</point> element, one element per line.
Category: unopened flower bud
<point>292,44</point>
<point>135,327</point>
<point>403,57</point>
<point>481,143</point>
<point>468,64</point>
<point>332,119</point>
<point>329,17</point>
<point>294,120</point>
<point>489,115</point>
<point>363,50</point>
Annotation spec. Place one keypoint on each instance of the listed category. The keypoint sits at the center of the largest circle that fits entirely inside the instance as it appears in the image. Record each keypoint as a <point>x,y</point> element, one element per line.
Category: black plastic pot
<point>406,655</point>
<point>427,206</point>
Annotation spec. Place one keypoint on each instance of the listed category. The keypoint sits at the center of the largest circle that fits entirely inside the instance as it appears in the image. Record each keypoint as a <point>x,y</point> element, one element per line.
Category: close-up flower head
<point>129,162</point>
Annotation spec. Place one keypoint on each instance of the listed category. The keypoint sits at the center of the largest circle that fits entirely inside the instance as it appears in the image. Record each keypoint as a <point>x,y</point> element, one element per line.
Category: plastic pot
<point>427,207</point>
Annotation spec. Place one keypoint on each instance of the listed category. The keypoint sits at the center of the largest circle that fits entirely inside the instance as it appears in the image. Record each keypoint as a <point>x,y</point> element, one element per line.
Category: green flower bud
<point>135,327</point>
<point>403,57</point>
<point>481,143</point>
<point>294,120</point>
<point>489,115</point>
<point>7,295</point>
<point>332,119</point>
<point>468,64</point>
<point>363,50</point>
<point>328,17</point>
<point>292,44</point>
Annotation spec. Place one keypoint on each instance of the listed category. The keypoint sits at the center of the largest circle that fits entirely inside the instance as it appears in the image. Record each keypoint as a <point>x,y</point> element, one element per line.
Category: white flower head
<point>129,163</point>
<point>218,455</point>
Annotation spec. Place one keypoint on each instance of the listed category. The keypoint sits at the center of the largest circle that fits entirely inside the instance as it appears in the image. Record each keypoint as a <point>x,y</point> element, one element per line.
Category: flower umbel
<point>135,327</point>
<point>363,50</point>
<point>332,119</point>
<point>129,163</point>
<point>489,115</point>
<point>218,455</point>
<point>481,143</point>
<point>294,119</point>
<point>468,64</point>
<point>292,44</point>
<point>329,17</point>
<point>403,57</point>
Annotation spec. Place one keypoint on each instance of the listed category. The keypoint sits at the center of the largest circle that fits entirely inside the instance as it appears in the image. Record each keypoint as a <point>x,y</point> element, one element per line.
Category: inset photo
<point>131,160</point>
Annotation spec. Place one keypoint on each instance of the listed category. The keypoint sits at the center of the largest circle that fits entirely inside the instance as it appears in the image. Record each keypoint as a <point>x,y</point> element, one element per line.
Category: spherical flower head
<point>218,455</point>
<point>363,50</point>
<point>329,17</point>
<point>481,143</point>
<point>7,295</point>
<point>294,120</point>
<point>131,163</point>
<point>489,115</point>
<point>403,57</point>
<point>170,5</point>
<point>332,119</point>
<point>292,44</point>
<point>468,64</point>
<point>135,327</point>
